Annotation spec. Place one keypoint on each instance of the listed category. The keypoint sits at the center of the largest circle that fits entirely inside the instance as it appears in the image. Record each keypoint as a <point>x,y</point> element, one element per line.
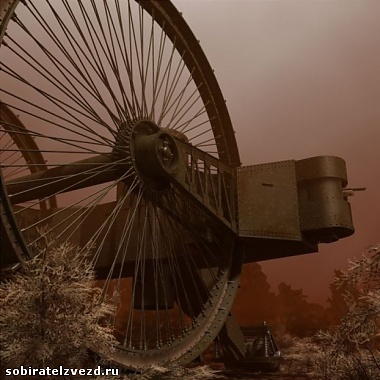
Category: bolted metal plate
<point>325,212</point>
<point>233,340</point>
<point>268,201</point>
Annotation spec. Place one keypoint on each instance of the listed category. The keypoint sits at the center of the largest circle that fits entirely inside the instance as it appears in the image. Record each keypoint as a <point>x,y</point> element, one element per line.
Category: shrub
<point>50,311</point>
<point>351,350</point>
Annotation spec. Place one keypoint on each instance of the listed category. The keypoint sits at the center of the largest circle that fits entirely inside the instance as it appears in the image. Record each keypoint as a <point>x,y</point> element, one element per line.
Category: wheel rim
<point>78,75</point>
<point>21,153</point>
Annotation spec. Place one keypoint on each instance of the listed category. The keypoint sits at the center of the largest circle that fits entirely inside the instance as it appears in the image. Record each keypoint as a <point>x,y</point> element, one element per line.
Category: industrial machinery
<point>122,142</point>
<point>261,354</point>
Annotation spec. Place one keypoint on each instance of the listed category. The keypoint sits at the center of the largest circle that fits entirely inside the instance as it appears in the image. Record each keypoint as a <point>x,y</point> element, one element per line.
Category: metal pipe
<point>77,175</point>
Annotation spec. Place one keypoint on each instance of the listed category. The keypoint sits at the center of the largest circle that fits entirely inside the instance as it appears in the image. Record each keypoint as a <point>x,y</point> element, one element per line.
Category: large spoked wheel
<point>90,79</point>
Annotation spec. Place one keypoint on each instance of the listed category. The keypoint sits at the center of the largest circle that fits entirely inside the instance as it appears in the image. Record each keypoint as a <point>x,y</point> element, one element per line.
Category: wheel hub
<point>149,152</point>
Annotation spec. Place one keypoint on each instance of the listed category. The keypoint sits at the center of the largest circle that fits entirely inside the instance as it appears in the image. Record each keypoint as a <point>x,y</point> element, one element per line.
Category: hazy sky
<point>302,78</point>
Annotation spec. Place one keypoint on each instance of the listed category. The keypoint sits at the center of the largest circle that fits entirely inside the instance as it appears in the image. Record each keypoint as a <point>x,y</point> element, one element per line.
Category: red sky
<point>302,78</point>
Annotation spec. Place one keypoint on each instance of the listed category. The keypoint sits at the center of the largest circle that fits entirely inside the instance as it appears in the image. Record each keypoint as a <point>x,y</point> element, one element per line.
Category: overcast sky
<point>302,78</point>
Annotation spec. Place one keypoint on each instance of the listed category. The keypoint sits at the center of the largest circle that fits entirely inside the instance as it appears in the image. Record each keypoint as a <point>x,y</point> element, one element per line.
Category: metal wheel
<point>21,153</point>
<point>91,80</point>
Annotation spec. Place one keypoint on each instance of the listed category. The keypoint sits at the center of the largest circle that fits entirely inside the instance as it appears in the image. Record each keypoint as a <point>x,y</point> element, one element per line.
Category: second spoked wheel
<point>88,79</point>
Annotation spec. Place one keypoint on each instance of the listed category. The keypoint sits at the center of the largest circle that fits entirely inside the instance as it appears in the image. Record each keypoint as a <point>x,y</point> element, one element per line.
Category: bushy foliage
<point>337,301</point>
<point>351,350</point>
<point>50,311</point>
<point>298,355</point>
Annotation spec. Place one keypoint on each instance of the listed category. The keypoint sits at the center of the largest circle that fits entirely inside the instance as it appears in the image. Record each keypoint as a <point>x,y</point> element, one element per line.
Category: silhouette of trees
<point>297,316</point>
<point>290,304</point>
<point>255,302</point>
<point>288,310</point>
